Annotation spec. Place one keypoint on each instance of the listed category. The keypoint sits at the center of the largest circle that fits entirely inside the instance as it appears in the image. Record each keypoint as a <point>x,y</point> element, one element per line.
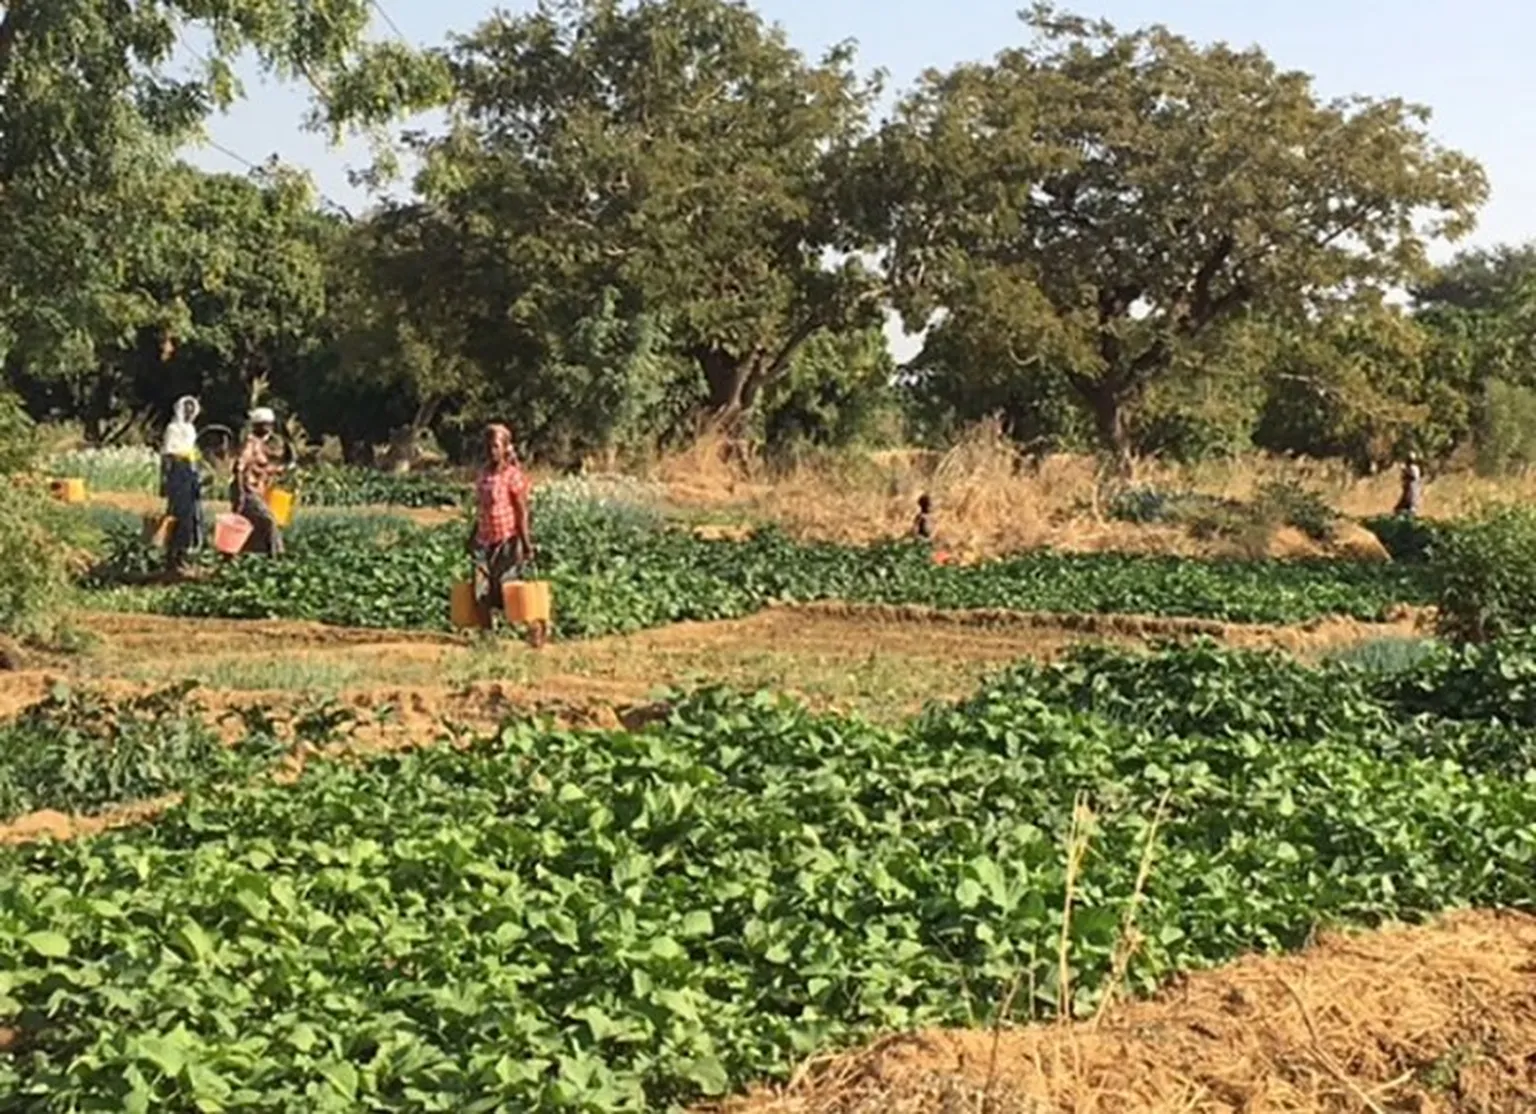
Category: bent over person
<point>252,481</point>
<point>502,536</point>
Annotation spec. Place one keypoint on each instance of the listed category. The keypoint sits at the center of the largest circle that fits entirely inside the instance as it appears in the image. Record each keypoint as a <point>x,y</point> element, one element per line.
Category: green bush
<point>37,537</point>
<point>1484,575</point>
<point>1405,538</point>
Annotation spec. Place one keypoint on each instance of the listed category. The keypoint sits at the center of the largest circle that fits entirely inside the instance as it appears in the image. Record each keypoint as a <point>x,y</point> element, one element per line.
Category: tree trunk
<point>728,380</point>
<point>1111,422</point>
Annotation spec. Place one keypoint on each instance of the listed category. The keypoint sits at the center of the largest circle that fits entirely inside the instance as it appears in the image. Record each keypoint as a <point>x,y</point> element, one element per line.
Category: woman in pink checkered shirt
<point>502,538</point>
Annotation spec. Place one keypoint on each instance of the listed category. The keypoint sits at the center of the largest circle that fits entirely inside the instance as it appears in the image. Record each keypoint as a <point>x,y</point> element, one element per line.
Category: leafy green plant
<point>77,752</point>
<point>604,921</point>
<point>39,539</point>
<point>1485,575</point>
<point>1290,504</point>
<point>123,468</point>
<point>616,569</point>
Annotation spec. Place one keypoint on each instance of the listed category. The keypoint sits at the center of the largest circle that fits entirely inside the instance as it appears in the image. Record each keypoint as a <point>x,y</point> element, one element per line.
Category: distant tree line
<point>644,221</point>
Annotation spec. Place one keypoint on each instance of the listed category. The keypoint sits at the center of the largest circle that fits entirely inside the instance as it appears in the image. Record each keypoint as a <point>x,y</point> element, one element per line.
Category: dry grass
<point>991,499</point>
<point>1435,1020</point>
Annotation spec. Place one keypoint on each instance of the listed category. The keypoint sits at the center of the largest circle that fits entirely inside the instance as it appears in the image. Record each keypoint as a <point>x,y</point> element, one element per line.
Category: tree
<point>229,278</point>
<point>91,113</point>
<point>666,161</point>
<point>1135,195</point>
<point>1479,312</point>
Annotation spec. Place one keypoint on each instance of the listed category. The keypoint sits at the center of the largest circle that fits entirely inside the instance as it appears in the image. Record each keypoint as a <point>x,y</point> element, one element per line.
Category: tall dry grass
<point>990,498</point>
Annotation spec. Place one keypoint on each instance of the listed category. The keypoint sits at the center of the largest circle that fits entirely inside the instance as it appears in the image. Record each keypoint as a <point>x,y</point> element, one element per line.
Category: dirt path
<point>1435,1020</point>
<point>884,661</point>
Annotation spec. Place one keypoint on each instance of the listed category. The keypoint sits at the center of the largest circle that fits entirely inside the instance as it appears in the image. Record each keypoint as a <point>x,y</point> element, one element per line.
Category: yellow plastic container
<point>526,601</point>
<point>157,529</point>
<point>281,503</point>
<point>463,612</point>
<point>70,491</point>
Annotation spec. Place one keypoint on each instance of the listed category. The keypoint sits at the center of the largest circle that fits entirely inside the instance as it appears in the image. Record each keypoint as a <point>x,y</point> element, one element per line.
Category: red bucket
<point>230,533</point>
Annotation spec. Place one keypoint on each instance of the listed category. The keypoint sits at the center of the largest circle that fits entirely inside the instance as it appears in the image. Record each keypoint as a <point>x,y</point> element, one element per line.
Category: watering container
<point>70,491</point>
<point>463,611</point>
<point>526,601</point>
<point>280,503</point>
<point>230,533</point>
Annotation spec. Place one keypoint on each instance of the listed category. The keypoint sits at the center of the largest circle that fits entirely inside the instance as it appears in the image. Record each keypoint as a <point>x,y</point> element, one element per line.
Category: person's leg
<point>263,537</point>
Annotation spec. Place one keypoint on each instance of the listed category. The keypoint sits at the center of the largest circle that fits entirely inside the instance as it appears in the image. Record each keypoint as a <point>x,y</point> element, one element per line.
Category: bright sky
<point>1468,60</point>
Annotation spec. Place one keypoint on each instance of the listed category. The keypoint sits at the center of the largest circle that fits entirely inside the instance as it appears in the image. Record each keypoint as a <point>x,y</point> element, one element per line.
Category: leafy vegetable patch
<point>552,921</point>
<point>617,572</point>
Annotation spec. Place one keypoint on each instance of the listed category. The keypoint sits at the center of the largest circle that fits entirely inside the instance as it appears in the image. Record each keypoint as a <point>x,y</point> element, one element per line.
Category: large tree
<point>1120,199</point>
<point>95,98</point>
<point>665,161</point>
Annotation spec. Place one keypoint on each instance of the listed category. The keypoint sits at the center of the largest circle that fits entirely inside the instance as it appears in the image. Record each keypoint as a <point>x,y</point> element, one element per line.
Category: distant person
<point>253,479</point>
<point>501,539</point>
<point>181,485</point>
<point>1413,487</point>
<point>922,525</point>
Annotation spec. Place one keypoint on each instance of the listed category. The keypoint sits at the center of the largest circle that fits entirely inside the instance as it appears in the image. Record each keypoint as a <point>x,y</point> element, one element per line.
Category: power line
<point>387,18</point>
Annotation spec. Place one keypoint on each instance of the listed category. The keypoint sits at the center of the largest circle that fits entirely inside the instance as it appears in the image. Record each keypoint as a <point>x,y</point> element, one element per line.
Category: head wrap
<point>263,415</point>
<point>187,409</point>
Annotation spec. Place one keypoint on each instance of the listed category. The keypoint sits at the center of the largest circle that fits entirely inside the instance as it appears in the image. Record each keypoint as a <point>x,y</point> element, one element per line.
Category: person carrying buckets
<point>501,538</point>
<point>252,480</point>
<point>181,485</point>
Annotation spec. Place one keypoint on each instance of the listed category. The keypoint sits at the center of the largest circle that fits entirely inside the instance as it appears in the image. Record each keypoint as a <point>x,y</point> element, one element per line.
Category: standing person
<point>501,538</point>
<point>252,480</point>
<point>181,485</point>
<point>1413,487</point>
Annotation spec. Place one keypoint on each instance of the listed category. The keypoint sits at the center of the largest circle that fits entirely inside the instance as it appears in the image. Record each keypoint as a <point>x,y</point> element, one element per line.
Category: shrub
<point>38,537</point>
<point>1485,575</point>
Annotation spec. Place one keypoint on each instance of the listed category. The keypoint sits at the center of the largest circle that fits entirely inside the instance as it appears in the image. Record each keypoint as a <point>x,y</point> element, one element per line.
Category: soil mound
<point>1439,1019</point>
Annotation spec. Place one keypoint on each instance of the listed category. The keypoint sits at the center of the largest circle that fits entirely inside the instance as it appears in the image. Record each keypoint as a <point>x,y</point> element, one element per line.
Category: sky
<point>1468,60</point>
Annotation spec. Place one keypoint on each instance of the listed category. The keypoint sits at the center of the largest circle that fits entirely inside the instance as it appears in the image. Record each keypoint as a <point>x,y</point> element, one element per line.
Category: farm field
<point>763,801</point>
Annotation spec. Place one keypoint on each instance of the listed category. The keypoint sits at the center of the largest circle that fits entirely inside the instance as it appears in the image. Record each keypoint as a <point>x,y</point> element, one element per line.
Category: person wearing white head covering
<point>252,480</point>
<point>180,483</point>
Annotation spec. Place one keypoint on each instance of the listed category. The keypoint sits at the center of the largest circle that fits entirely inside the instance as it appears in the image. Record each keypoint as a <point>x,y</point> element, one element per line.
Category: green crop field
<point>604,921</point>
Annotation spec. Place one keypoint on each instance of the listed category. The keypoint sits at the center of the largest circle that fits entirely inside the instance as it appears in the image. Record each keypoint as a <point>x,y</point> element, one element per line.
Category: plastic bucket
<point>463,611</point>
<point>69,491</point>
<point>526,601</point>
<point>281,503</point>
<point>230,533</point>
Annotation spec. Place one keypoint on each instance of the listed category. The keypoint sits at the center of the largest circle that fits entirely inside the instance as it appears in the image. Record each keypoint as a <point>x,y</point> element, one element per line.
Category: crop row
<point>607,921</point>
<point>615,573</point>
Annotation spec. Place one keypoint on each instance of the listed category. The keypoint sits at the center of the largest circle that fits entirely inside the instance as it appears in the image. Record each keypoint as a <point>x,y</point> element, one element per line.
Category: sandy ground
<point>885,661</point>
<point>1434,1020</point>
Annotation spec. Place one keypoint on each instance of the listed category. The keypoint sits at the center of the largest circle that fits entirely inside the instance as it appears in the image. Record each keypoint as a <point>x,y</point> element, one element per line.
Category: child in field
<point>922,525</point>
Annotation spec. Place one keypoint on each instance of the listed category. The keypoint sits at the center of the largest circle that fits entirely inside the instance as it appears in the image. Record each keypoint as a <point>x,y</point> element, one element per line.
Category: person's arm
<point>524,521</point>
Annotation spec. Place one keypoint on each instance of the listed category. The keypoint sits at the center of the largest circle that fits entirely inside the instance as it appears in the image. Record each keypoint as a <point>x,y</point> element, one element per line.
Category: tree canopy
<point>1118,198</point>
<point>633,221</point>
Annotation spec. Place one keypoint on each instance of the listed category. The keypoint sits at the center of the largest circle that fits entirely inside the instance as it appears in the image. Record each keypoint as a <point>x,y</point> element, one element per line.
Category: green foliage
<point>77,752</point>
<point>94,107</point>
<point>551,921</point>
<point>1506,429</point>
<point>614,571</point>
<point>1485,575</point>
<point>37,537</point>
<point>1407,539</point>
<point>1120,247</point>
<point>331,485</point>
<point>124,468</point>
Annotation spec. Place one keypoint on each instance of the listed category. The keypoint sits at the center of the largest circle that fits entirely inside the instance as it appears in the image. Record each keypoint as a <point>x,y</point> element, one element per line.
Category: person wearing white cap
<point>180,483</point>
<point>253,476</point>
